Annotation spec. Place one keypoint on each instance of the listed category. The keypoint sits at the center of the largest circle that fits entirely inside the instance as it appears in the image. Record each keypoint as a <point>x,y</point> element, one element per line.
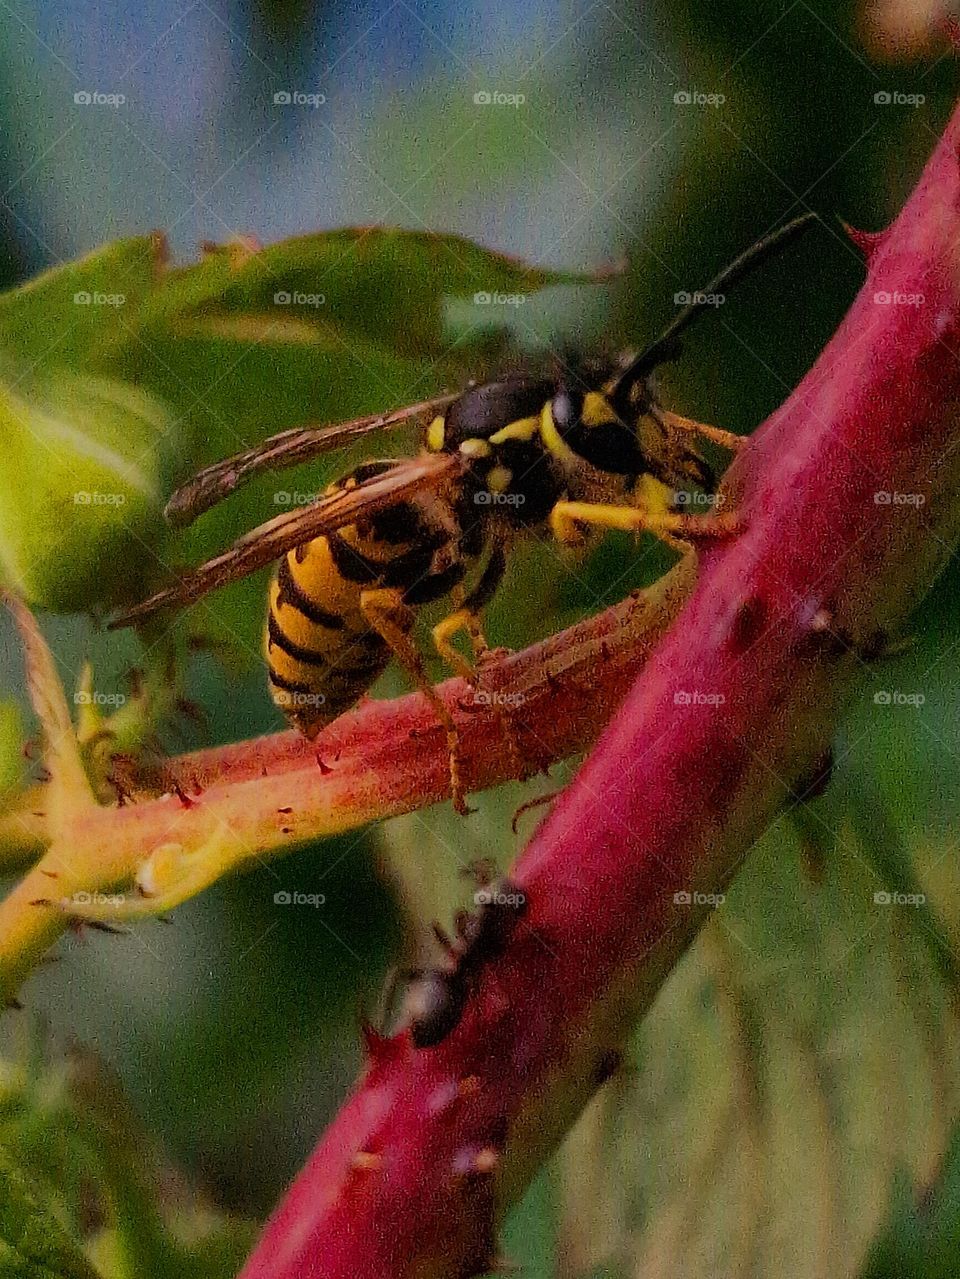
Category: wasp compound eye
<point>565,408</point>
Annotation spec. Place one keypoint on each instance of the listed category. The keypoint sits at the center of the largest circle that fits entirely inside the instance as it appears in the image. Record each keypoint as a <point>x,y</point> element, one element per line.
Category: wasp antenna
<point>665,346</point>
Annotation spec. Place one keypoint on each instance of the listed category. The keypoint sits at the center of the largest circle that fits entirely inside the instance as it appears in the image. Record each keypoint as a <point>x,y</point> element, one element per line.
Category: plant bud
<point>82,480</point>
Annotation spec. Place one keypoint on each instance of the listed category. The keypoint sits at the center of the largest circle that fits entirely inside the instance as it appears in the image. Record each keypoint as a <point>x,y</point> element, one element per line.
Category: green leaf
<point>921,1238</point>
<point>33,1244</point>
<point>73,316</point>
<point>380,283</point>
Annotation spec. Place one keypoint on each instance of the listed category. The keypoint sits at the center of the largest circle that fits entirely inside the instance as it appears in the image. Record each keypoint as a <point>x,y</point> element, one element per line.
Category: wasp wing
<point>269,541</point>
<point>219,480</point>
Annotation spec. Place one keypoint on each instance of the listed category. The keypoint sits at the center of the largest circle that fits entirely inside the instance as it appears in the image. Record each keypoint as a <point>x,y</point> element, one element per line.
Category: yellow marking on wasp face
<point>552,439</point>
<point>436,432</point>
<point>499,479</point>
<point>525,428</point>
<point>475,448</point>
<point>596,410</point>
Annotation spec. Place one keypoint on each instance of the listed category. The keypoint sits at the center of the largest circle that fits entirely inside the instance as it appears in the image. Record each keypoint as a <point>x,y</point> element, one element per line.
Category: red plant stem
<point>734,710</point>
<point>233,805</point>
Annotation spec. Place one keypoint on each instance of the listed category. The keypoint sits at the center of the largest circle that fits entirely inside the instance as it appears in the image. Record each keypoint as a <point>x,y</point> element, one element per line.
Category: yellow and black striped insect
<point>503,459</point>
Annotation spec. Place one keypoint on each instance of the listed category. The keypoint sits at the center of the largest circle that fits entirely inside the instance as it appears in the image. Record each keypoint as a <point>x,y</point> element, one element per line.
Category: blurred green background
<point>795,1087</point>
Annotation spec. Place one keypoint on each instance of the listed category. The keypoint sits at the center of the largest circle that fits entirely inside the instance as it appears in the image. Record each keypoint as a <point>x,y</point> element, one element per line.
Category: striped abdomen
<point>322,652</point>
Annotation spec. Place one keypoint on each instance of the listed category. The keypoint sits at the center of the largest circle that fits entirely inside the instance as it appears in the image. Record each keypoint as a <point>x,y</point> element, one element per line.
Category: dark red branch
<point>735,709</point>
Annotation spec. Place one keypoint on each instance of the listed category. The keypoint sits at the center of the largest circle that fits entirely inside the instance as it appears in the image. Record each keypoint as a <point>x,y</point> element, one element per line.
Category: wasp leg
<point>469,618</point>
<point>726,439</point>
<point>383,1012</point>
<point>677,531</point>
<point>393,620</point>
<point>537,802</point>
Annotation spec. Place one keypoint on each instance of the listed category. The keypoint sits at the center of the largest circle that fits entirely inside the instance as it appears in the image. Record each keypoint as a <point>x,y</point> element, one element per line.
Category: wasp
<point>523,455</point>
<point>437,997</point>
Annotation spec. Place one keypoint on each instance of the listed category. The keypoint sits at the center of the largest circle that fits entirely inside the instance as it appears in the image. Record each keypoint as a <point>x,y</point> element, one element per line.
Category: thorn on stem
<point>868,242</point>
<point>181,794</point>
